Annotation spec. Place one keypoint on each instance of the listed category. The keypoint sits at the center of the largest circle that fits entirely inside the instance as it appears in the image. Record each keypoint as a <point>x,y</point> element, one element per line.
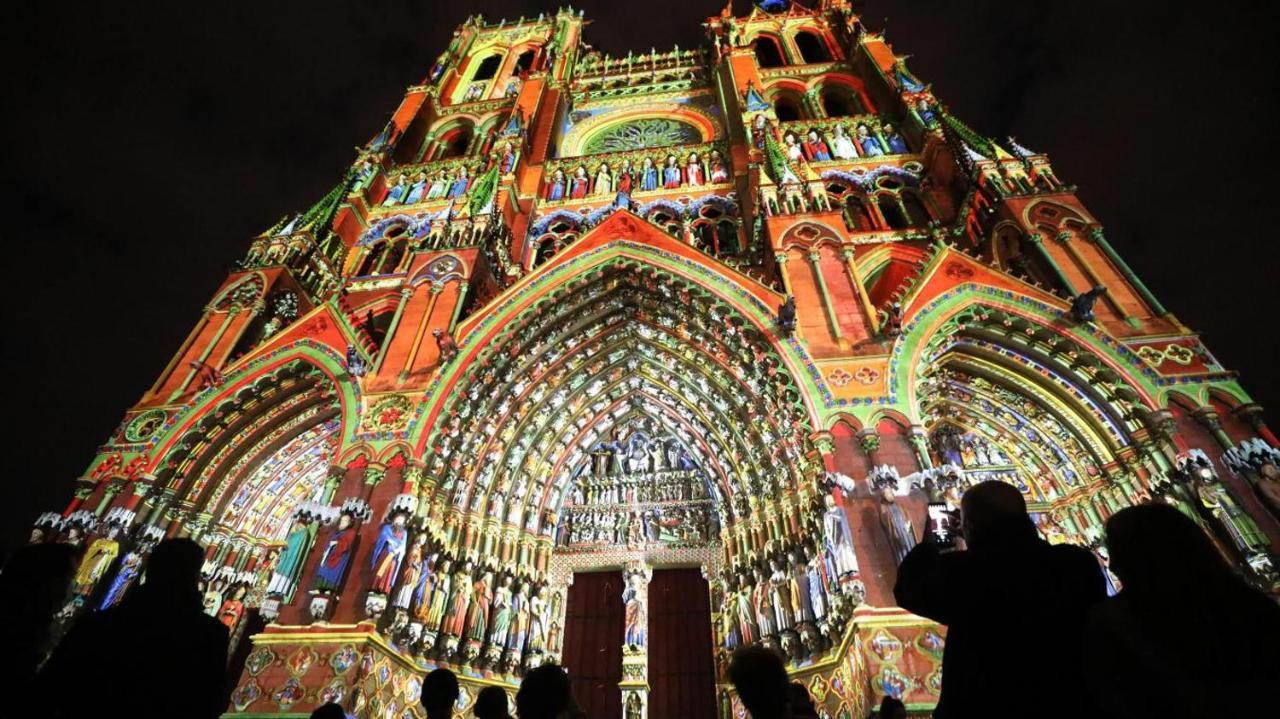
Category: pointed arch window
<point>716,233</point>
<point>385,255</point>
<point>915,208</point>
<point>839,102</point>
<point>768,52</point>
<point>812,48</point>
<point>524,62</point>
<point>787,109</point>
<point>488,68</point>
<point>892,211</point>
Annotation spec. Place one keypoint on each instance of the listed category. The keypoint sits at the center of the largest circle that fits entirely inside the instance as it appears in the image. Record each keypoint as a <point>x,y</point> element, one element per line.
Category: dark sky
<point>147,142</point>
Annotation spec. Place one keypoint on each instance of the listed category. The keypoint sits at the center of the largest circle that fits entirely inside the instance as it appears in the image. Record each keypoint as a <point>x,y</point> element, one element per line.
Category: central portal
<point>639,511</point>
<point>635,445</point>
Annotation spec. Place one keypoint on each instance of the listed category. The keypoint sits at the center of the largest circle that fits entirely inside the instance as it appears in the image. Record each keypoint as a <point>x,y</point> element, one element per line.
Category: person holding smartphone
<point>1014,606</point>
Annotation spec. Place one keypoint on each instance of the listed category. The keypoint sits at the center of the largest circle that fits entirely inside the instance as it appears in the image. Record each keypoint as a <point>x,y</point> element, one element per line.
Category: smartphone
<point>942,526</point>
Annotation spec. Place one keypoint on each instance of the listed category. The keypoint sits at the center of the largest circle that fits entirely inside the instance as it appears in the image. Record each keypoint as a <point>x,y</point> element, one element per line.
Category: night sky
<point>148,142</point>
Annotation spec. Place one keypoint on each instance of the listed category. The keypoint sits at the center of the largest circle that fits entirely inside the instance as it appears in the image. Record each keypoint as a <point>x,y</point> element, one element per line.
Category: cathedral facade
<point>623,362</point>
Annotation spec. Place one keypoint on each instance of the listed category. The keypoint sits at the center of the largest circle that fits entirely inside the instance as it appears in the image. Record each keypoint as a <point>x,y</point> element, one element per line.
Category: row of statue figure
<point>102,576</point>
<point>680,524</point>
<point>663,486</point>
<point>454,608</point>
<point>837,143</point>
<point>1197,491</point>
<point>795,598</point>
<point>943,485</point>
<point>634,455</point>
<point>114,558</point>
<point>224,599</point>
<point>653,173</point>
<point>1259,463</point>
<point>410,188</point>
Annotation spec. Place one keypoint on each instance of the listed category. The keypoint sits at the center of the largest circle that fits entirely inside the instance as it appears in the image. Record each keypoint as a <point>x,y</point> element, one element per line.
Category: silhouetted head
<point>491,703</point>
<point>544,693</point>
<point>173,572</point>
<point>991,509</point>
<point>761,680</point>
<point>1157,550</point>
<point>891,708</point>
<point>798,701</point>
<point>329,711</point>
<point>35,580</point>
<point>439,693</point>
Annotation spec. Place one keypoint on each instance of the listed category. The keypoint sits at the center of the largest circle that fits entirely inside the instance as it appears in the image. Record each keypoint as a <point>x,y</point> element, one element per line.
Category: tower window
<point>524,62</point>
<point>786,109</point>
<point>455,144</point>
<point>768,54</point>
<point>811,48</point>
<point>841,104</point>
<point>892,212</point>
<point>488,68</point>
<point>916,211</point>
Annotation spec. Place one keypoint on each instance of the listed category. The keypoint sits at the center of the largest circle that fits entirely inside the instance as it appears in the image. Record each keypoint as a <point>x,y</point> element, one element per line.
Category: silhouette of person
<point>159,630</point>
<point>439,694</point>
<point>329,711</point>
<point>1185,636</point>
<point>761,680</point>
<point>1015,608</point>
<point>491,703</point>
<point>799,701</point>
<point>544,693</point>
<point>892,708</point>
<point>33,587</point>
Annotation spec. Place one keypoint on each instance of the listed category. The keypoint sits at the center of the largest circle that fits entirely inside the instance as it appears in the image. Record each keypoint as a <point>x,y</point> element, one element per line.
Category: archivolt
<point>620,344</point>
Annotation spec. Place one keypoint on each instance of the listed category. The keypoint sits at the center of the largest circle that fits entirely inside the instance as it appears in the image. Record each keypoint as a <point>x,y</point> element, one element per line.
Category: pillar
<point>1100,239</point>
<point>815,259</point>
<point>228,318</point>
<point>1253,414</point>
<point>920,443</point>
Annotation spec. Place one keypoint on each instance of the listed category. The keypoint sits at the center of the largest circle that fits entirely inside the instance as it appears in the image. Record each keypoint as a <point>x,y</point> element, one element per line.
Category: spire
<point>319,216</point>
<point>905,79</point>
<point>776,161</point>
<point>382,139</point>
<point>755,101</point>
<point>482,192</point>
<point>1019,150</point>
<point>969,145</point>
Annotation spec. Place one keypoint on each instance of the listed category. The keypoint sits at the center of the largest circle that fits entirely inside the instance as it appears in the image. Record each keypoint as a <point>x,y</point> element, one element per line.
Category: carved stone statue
<point>634,596</point>
<point>787,316</point>
<point>388,552</point>
<point>337,554</point>
<point>897,526</point>
<point>838,539</point>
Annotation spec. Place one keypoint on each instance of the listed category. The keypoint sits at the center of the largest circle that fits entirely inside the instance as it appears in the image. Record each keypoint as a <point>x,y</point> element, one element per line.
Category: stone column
<point>920,443</point>
<point>1253,414</point>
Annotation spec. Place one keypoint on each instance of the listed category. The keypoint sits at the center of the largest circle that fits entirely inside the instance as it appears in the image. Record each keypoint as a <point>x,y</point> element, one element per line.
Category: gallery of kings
<point>622,362</point>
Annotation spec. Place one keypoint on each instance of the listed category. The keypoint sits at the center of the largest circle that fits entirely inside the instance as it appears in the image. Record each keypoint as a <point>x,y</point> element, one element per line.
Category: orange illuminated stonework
<point>745,307</point>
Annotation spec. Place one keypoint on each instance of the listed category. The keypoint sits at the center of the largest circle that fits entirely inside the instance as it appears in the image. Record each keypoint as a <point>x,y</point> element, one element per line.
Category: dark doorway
<point>593,642</point>
<point>681,661</point>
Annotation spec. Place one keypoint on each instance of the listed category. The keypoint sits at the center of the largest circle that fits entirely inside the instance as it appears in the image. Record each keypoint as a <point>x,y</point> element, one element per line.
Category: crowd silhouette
<point>1030,632</point>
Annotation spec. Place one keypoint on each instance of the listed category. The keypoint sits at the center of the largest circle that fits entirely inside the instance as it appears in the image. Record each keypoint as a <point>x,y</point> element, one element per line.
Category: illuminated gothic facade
<point>745,307</point>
